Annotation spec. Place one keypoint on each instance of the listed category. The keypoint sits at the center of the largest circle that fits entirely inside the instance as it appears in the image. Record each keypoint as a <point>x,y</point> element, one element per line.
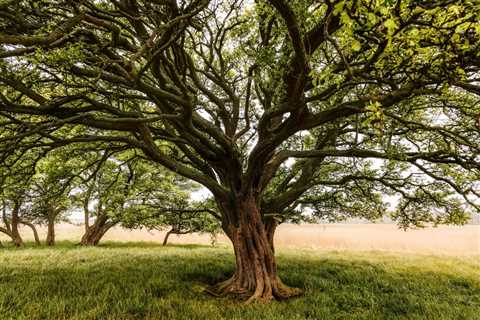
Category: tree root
<point>262,293</point>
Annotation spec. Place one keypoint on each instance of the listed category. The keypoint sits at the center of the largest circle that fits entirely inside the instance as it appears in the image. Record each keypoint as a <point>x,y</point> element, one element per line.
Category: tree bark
<point>165,240</point>
<point>255,276</point>
<point>50,241</point>
<point>87,220</point>
<point>92,237</point>
<point>95,232</point>
<point>16,237</point>
<point>34,230</point>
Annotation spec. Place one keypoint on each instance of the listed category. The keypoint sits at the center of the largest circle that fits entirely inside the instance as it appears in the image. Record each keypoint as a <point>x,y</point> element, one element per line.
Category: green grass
<point>147,281</point>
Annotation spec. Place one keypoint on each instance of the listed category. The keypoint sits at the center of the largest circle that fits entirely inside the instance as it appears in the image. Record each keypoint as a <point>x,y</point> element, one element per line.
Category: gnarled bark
<point>95,232</point>
<point>255,277</point>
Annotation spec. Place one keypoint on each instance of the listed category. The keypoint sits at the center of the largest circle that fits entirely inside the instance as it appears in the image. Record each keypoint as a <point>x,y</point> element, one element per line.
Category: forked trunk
<point>95,232</point>
<point>92,237</point>
<point>255,276</point>
<point>50,233</point>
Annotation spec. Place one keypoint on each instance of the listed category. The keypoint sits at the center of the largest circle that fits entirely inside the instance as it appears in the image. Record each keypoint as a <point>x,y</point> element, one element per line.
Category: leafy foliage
<point>387,80</point>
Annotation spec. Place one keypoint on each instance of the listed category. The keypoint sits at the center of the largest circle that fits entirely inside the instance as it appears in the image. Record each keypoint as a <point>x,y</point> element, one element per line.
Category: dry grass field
<point>443,240</point>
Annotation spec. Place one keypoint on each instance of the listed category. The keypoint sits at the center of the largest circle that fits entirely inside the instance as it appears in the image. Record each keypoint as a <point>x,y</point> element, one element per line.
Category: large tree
<point>270,105</point>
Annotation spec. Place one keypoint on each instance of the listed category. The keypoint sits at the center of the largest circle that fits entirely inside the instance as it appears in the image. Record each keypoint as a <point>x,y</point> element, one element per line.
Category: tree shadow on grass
<point>135,284</point>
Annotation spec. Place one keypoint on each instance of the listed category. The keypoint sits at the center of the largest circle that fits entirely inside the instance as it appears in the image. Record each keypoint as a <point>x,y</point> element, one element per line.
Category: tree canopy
<point>274,106</point>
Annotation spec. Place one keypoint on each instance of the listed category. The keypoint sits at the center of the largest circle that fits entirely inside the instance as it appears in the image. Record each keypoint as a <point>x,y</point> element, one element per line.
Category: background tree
<point>50,191</point>
<point>104,195</point>
<point>268,104</point>
<point>174,212</point>
<point>11,222</point>
<point>120,189</point>
<point>187,222</point>
<point>15,181</point>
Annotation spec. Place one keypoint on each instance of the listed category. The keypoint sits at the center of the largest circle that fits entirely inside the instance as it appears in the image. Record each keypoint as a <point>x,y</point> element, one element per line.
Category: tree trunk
<point>34,230</point>
<point>87,220</point>
<point>50,233</point>
<point>255,276</point>
<point>16,237</point>
<point>165,240</point>
<point>92,237</point>
<point>95,233</point>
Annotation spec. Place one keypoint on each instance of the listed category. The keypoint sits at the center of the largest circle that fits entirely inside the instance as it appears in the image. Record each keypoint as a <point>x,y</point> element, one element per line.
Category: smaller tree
<point>189,221</point>
<point>103,196</point>
<point>15,180</point>
<point>11,220</point>
<point>50,191</point>
<point>177,218</point>
<point>164,204</point>
<point>118,189</point>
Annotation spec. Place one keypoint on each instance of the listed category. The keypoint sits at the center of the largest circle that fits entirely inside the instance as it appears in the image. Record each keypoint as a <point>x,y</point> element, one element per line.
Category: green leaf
<point>356,45</point>
<point>391,25</point>
<point>339,7</point>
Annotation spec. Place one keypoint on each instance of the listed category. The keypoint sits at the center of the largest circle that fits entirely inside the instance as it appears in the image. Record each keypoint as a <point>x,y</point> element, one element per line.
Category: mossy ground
<point>147,281</point>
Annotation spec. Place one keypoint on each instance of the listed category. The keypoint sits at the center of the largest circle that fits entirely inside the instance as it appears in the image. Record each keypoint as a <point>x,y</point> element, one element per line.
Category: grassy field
<point>147,281</point>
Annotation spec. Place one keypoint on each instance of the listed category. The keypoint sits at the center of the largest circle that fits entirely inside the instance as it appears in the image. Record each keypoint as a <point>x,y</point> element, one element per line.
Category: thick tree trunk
<point>34,230</point>
<point>16,237</point>
<point>255,276</point>
<point>50,233</point>
<point>165,240</point>
<point>92,237</point>
<point>95,233</point>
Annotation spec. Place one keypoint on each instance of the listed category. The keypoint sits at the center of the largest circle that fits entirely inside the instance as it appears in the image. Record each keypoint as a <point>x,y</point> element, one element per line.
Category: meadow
<point>143,280</point>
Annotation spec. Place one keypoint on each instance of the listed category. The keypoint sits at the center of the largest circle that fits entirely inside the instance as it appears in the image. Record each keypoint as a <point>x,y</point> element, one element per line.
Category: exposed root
<point>283,292</point>
<point>264,291</point>
<point>229,287</point>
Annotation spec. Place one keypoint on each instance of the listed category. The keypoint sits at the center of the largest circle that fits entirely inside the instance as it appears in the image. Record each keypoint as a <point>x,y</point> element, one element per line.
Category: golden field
<point>443,240</point>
